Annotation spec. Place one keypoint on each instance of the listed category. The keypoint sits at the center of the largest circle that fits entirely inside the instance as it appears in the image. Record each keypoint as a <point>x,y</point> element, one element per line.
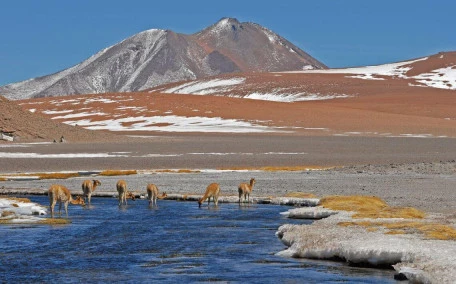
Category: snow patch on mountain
<point>443,78</point>
<point>204,87</point>
<point>392,69</point>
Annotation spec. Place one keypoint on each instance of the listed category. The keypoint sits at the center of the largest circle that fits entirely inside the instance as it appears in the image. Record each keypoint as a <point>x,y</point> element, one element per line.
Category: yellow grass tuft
<point>185,171</point>
<point>47,175</point>
<point>355,203</point>
<point>7,213</point>
<point>180,171</point>
<point>430,230</point>
<point>57,175</point>
<point>118,172</point>
<point>391,212</point>
<point>277,169</point>
<point>369,207</point>
<point>54,221</point>
<point>300,195</point>
<point>18,199</point>
<point>396,232</point>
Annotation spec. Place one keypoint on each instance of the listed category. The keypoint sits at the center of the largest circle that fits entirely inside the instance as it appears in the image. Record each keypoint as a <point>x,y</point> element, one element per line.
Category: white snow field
<point>173,123</point>
<point>225,86</point>
<point>421,260</point>
<point>442,78</point>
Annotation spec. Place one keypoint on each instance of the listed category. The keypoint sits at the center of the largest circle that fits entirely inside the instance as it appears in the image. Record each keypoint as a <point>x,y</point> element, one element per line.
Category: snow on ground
<point>216,86</point>
<point>57,111</point>
<point>421,260</point>
<point>284,97</point>
<point>81,114</point>
<point>204,87</point>
<point>391,69</point>
<point>17,211</point>
<point>20,155</point>
<point>443,78</point>
<point>173,123</point>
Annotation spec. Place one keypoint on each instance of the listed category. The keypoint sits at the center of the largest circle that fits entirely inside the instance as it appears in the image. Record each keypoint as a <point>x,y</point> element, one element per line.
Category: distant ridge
<point>154,57</point>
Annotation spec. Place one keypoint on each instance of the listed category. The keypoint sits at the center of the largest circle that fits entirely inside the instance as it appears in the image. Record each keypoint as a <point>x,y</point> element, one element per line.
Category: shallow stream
<point>174,242</point>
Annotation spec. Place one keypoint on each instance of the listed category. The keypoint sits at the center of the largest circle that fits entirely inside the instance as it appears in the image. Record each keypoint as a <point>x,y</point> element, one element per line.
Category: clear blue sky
<point>42,37</point>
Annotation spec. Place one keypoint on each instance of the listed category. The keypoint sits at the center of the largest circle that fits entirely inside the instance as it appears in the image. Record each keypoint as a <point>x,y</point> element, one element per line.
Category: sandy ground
<point>418,172</point>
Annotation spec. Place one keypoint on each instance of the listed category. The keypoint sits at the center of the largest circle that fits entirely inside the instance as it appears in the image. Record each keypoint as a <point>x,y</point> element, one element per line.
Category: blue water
<point>176,242</point>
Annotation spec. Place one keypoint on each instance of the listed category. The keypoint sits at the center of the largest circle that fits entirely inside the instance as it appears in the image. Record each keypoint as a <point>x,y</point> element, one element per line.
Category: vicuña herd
<point>61,194</point>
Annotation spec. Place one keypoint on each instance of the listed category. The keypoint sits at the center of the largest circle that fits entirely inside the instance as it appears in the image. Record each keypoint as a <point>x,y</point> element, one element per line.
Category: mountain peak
<point>154,57</point>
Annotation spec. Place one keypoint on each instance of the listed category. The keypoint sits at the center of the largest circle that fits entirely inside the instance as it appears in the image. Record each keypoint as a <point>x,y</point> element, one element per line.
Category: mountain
<point>414,98</point>
<point>155,57</point>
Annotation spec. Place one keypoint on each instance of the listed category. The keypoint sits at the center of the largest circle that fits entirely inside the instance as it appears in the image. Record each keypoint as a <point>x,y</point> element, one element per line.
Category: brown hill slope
<point>29,126</point>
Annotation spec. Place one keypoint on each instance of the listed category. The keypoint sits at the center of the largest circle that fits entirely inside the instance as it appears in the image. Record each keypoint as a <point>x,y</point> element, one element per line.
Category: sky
<point>43,37</point>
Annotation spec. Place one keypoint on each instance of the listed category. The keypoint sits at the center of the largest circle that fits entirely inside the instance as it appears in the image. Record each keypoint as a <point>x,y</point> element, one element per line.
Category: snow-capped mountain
<point>154,57</point>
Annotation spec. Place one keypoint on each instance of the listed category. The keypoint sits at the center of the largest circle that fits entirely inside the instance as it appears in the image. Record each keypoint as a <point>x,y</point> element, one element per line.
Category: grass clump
<point>180,171</point>
<point>392,212</point>
<point>433,231</point>
<point>300,195</point>
<point>57,175</point>
<point>118,172</point>
<point>54,221</point>
<point>18,199</point>
<point>47,175</point>
<point>369,207</point>
<point>357,203</point>
<point>277,168</point>
<point>7,213</point>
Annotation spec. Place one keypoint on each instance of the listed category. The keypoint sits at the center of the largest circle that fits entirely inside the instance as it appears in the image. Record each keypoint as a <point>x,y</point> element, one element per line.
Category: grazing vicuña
<point>88,187</point>
<point>245,189</point>
<point>213,190</point>
<point>61,194</point>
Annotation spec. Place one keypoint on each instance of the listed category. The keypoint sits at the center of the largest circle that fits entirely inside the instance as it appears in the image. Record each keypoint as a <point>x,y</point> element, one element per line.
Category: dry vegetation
<point>430,230</point>
<point>18,199</point>
<point>278,169</point>
<point>180,171</point>
<point>45,175</point>
<point>118,172</point>
<point>54,221</point>
<point>369,207</point>
<point>300,195</point>
<point>7,213</point>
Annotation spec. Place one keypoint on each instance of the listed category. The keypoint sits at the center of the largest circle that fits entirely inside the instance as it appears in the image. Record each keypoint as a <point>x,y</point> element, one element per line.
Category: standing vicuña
<point>122,190</point>
<point>61,194</point>
<point>245,189</point>
<point>88,187</point>
<point>152,194</point>
<point>213,190</point>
